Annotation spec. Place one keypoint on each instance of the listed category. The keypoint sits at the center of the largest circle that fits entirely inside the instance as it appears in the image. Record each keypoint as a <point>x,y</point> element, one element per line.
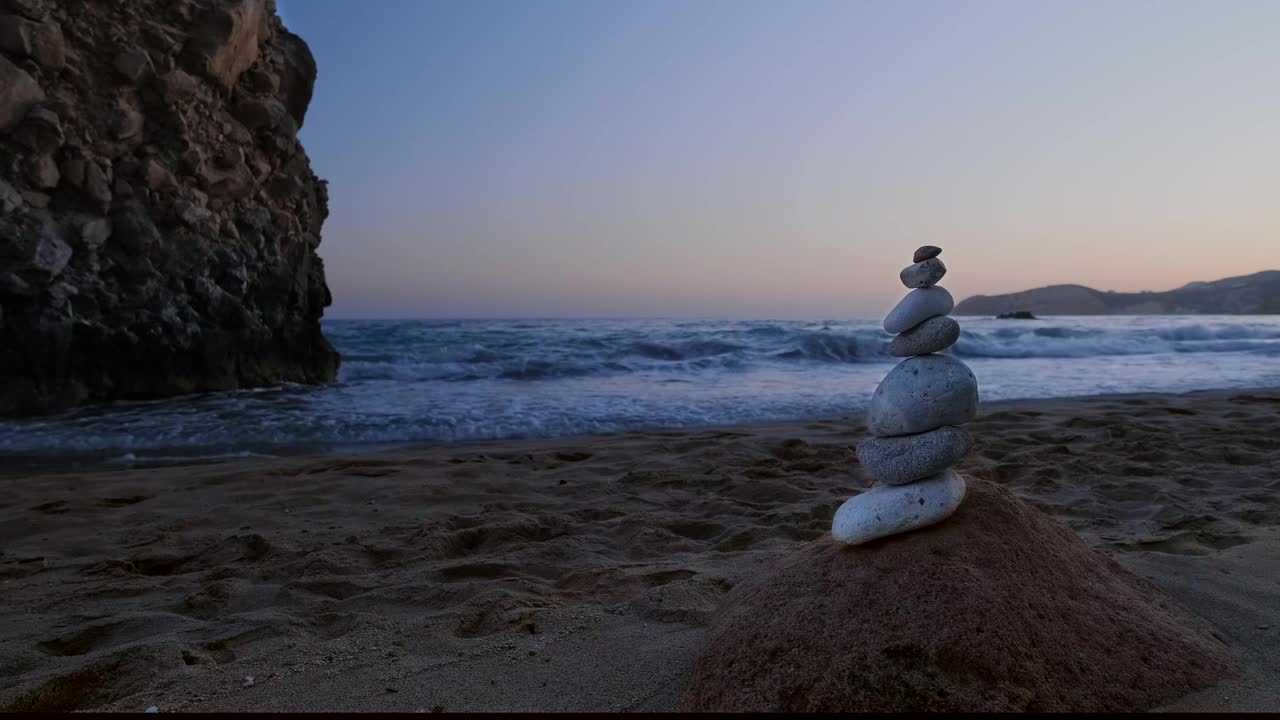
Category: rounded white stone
<point>923,393</point>
<point>919,305</point>
<point>891,509</point>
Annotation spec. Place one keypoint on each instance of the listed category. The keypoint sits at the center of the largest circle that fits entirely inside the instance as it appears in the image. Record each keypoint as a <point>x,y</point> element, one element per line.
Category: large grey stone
<point>923,393</point>
<point>933,335</point>
<point>891,509</point>
<point>904,459</point>
<point>923,274</point>
<point>919,305</point>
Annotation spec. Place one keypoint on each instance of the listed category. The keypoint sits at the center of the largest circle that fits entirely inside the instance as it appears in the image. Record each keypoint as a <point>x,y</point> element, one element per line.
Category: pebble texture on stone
<point>919,305</point>
<point>933,335</point>
<point>923,274</point>
<point>912,417</point>
<point>923,393</point>
<point>907,458</point>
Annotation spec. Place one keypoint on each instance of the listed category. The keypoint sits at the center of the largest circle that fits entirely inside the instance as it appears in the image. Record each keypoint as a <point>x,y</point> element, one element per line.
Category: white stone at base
<point>891,509</point>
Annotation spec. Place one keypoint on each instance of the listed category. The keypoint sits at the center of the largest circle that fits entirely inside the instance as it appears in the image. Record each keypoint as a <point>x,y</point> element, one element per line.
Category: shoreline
<point>571,573</point>
<point>20,466</point>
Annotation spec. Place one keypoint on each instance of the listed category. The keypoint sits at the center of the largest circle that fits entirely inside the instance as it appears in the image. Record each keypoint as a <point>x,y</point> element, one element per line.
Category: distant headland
<point>1257,294</point>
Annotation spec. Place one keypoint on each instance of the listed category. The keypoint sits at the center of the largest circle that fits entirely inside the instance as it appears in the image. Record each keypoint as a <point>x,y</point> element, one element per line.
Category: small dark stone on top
<point>925,252</point>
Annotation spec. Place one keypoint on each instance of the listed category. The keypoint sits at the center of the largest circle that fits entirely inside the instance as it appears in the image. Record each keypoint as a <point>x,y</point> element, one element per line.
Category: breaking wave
<point>404,382</point>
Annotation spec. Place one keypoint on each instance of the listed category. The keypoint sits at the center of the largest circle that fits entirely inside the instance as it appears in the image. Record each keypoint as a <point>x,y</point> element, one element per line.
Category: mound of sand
<point>1001,608</point>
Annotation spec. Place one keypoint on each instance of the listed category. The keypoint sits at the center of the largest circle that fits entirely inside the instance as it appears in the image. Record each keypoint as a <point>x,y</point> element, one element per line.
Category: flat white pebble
<point>891,509</point>
<point>919,305</point>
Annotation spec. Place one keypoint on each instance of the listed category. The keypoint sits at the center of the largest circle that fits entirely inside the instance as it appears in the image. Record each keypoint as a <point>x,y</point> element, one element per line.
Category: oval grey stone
<point>907,458</point>
<point>891,509</point>
<point>919,305</point>
<point>923,393</point>
<point>933,335</point>
<point>923,274</point>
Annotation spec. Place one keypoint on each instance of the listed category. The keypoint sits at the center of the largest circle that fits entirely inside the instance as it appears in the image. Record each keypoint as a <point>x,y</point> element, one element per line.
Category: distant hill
<point>1255,294</point>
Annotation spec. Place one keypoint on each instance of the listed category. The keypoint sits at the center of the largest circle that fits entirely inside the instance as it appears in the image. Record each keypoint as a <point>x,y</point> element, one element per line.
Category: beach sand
<point>570,574</point>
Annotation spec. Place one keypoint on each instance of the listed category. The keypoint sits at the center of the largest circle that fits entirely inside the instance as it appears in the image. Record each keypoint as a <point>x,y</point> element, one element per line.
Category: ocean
<point>411,382</point>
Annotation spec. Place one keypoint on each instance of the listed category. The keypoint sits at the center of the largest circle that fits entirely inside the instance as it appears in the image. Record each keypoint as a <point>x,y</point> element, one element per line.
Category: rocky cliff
<point>1246,295</point>
<point>158,217</point>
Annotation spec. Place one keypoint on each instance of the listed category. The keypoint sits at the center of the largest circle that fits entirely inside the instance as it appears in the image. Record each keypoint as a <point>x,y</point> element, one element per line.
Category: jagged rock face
<point>158,217</point>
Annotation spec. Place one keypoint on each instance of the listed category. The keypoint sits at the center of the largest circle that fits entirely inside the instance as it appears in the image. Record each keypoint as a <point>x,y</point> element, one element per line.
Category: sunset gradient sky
<point>734,158</point>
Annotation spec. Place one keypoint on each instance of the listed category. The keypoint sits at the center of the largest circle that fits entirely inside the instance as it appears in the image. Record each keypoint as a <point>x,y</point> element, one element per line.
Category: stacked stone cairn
<point>914,417</point>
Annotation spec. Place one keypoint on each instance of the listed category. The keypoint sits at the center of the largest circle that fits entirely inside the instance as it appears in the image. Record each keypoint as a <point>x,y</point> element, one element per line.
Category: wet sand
<point>570,574</point>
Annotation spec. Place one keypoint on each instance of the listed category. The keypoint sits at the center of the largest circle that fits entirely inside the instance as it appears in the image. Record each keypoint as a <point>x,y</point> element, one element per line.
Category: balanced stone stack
<point>914,417</point>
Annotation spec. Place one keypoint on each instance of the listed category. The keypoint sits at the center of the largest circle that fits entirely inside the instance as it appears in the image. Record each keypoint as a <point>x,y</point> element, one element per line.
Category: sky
<point>746,159</point>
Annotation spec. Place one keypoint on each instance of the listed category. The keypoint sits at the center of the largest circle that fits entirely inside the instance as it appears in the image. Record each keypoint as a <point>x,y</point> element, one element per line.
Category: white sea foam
<point>417,381</point>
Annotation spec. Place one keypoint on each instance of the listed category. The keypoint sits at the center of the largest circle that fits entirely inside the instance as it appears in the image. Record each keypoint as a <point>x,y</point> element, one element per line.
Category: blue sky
<point>783,159</point>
